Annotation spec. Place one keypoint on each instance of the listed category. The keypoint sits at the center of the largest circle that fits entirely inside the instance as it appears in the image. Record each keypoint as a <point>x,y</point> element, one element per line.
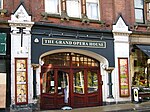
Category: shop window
<point>73,8</point>
<point>92,82</point>
<point>92,9</point>
<point>52,6</point>
<point>139,11</point>
<point>78,82</point>
<point>141,69</point>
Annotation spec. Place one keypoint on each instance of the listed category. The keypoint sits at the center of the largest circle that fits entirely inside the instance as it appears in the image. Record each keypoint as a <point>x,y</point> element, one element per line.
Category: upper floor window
<point>52,6</point>
<point>73,8</point>
<point>1,4</point>
<point>148,11</point>
<point>92,9</point>
<point>3,43</point>
<point>139,11</point>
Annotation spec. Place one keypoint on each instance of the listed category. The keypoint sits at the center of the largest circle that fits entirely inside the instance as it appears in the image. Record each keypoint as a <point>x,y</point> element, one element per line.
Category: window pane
<point>2,66</point>
<point>48,82</point>
<point>2,43</point>
<point>0,4</point>
<point>92,82</point>
<point>139,15</point>
<point>73,8</point>
<point>138,3</point>
<point>78,81</point>
<point>92,10</point>
<point>52,6</point>
<point>148,11</point>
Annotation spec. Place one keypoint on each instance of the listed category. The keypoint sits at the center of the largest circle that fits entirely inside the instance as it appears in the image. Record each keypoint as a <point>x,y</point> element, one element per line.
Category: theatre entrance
<point>70,79</point>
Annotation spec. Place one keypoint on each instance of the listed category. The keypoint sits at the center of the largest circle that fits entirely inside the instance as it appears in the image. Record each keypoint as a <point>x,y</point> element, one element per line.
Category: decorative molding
<point>109,69</point>
<point>21,15</point>
<point>3,12</point>
<point>35,66</point>
<point>30,24</point>
<point>120,28</point>
<point>64,16</point>
<point>85,19</point>
<point>121,34</point>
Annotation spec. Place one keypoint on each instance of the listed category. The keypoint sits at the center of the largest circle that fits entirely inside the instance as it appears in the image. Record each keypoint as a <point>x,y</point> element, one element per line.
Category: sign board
<point>73,43</point>
<point>2,43</point>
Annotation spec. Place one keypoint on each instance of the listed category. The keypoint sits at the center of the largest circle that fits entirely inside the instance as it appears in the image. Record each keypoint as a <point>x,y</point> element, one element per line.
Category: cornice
<point>121,33</point>
<point>22,24</point>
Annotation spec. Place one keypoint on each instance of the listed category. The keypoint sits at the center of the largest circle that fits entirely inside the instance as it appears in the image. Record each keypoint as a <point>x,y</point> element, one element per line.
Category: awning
<point>145,49</point>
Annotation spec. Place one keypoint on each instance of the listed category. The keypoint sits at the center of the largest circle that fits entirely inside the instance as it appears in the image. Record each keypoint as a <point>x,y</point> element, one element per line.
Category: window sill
<point>147,25</point>
<point>64,17</point>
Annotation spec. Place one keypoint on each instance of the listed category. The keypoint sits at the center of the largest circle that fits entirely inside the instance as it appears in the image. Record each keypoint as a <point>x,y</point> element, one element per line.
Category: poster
<point>3,90</point>
<point>21,81</point>
<point>123,77</point>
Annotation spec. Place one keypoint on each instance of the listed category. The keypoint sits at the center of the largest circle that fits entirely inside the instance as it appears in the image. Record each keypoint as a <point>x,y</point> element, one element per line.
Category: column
<point>109,70</point>
<point>35,66</point>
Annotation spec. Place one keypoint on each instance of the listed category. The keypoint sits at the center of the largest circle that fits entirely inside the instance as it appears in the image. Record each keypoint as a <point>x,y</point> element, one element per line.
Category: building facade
<point>74,53</point>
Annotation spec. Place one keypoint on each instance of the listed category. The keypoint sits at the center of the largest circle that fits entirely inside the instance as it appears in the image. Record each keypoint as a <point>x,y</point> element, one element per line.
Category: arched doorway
<point>70,79</point>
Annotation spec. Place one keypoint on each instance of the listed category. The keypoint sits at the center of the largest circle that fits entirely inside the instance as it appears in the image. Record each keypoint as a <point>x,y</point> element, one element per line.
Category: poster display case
<point>21,81</point>
<point>123,77</point>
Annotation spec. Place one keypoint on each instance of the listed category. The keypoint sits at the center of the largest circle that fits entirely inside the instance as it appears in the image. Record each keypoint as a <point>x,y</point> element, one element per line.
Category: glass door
<point>55,89</point>
<point>86,88</point>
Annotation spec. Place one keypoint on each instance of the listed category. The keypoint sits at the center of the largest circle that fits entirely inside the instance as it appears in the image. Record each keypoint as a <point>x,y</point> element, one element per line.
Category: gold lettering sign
<point>73,43</point>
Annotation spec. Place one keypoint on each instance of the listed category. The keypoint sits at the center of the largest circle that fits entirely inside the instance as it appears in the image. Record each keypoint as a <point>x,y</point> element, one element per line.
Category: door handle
<point>101,82</point>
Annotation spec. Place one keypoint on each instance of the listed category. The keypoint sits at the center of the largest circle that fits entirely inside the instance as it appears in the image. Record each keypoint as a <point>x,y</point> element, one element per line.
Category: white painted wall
<point>121,47</point>
<point>23,20</point>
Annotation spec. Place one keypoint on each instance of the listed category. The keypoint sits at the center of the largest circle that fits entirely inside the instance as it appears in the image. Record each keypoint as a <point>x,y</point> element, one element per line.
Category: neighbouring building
<point>78,53</point>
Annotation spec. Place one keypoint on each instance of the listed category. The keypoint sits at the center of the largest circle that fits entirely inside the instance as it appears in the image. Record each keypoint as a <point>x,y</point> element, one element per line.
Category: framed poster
<point>21,81</point>
<point>3,90</point>
<point>123,77</point>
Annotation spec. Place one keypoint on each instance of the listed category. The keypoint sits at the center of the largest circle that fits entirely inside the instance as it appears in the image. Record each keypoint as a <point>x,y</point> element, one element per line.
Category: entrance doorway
<point>70,79</point>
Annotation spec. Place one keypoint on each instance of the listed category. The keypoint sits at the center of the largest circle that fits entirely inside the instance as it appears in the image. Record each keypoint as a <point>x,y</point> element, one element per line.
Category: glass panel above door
<point>66,59</point>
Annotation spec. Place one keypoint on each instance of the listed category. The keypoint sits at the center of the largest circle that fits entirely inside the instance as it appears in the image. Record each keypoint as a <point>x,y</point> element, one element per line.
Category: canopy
<point>145,49</point>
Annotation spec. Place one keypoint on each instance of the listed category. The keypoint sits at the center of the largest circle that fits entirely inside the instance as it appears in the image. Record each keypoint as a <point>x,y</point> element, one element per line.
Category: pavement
<point>127,107</point>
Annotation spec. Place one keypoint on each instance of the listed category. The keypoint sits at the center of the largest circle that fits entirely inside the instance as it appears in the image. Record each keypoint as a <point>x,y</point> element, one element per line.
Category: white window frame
<point>71,8</point>
<point>139,11</point>
<point>52,10</point>
<point>148,11</point>
<point>89,12</point>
